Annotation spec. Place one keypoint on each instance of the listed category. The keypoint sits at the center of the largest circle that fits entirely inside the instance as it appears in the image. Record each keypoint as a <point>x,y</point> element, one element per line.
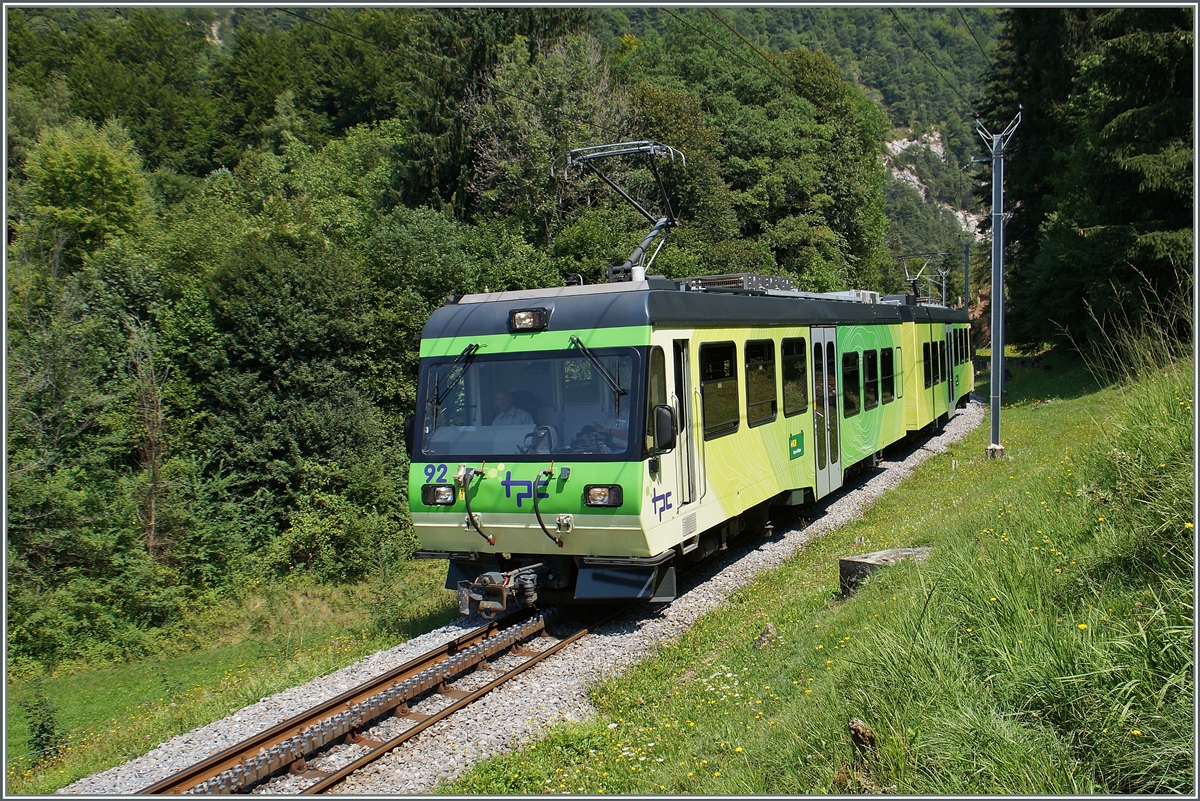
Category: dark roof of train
<point>660,303</point>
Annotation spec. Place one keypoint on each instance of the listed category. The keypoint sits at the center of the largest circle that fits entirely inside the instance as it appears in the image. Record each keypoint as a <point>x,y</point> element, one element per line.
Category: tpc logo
<point>525,493</point>
<point>662,502</point>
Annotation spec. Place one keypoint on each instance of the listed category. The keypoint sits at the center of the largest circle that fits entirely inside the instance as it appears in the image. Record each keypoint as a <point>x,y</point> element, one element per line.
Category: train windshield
<point>533,406</point>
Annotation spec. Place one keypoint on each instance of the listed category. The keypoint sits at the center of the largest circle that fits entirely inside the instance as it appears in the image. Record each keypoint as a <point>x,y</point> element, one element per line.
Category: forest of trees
<point>1100,177</point>
<point>227,228</point>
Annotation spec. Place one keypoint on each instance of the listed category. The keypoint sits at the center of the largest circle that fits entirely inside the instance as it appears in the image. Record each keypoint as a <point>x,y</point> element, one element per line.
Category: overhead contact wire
<point>976,38</point>
<point>749,44</point>
<point>930,60</point>
<point>723,47</point>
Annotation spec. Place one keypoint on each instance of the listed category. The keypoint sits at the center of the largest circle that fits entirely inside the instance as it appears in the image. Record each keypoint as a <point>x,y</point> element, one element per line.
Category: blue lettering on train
<point>661,503</point>
<point>526,490</point>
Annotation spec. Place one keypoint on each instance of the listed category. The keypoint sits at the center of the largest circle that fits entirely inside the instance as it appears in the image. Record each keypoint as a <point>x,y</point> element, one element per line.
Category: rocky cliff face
<point>921,163</point>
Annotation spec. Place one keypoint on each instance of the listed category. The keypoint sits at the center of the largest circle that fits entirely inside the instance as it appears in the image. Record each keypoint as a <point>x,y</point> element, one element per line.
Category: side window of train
<point>928,364</point>
<point>887,376</point>
<point>793,353</point>
<point>656,391</point>
<point>719,388</point>
<point>870,379</point>
<point>761,400</point>
<point>850,385</point>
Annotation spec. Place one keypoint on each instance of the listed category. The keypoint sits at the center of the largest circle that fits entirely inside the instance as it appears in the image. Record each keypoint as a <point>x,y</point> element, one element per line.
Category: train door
<point>685,448</point>
<point>825,410</point>
<point>949,368</point>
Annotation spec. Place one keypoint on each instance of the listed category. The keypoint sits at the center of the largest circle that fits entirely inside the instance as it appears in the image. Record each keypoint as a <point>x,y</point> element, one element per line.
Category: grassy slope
<point>274,639</point>
<point>1045,647</point>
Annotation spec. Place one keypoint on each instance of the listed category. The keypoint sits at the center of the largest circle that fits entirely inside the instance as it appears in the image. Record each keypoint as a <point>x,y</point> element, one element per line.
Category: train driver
<point>615,426</point>
<point>507,414</point>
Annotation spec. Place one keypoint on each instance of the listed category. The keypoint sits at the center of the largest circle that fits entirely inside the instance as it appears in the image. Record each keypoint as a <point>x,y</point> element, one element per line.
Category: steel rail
<point>290,741</point>
<point>336,778</point>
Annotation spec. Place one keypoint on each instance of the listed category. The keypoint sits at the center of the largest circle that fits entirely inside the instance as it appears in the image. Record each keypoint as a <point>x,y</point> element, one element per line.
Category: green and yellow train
<point>579,443</point>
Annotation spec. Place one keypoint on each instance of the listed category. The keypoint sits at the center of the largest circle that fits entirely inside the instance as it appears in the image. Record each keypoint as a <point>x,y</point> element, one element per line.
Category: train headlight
<point>437,494</point>
<point>602,495</point>
<point>528,320</point>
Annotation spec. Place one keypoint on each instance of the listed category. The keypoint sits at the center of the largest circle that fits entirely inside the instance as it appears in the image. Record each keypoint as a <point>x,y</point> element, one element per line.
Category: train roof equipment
<point>582,158</point>
<point>713,300</point>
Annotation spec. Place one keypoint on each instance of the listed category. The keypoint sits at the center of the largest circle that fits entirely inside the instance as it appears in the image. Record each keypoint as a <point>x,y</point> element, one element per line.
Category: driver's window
<point>656,394</point>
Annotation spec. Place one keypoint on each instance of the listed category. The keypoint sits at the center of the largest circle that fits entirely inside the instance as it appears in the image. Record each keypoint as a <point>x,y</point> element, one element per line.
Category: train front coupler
<point>494,592</point>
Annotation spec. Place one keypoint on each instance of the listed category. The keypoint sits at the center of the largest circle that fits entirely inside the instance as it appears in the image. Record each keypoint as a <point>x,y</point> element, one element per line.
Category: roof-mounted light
<point>528,319</point>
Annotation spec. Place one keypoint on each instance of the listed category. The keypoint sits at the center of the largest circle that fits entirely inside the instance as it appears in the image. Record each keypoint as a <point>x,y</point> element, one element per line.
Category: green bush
<point>46,735</point>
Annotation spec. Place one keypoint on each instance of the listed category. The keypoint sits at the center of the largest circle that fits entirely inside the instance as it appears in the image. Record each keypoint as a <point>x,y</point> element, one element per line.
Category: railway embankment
<point>1045,646</point>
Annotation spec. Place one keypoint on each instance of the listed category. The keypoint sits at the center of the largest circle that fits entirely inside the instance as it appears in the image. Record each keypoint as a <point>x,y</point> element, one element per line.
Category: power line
<point>748,63</point>
<point>748,44</point>
<point>930,60</point>
<point>557,111</point>
<point>973,36</point>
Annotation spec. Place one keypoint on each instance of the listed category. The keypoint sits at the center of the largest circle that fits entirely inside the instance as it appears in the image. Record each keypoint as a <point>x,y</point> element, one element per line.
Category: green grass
<point>1045,646</point>
<point>1068,377</point>
<point>271,639</point>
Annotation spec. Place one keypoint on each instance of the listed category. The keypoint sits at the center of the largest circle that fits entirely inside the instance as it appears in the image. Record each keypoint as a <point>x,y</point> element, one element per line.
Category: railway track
<point>451,677</point>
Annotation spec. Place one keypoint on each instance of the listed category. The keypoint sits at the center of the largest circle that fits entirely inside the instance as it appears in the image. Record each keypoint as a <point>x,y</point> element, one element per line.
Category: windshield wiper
<point>607,376</point>
<point>463,361</point>
<point>613,384</point>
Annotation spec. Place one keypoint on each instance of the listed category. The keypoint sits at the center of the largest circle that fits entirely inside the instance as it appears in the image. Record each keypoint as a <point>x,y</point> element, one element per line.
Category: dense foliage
<point>227,228</point>
<point>881,52</point>
<point>1100,178</point>
<point>924,67</point>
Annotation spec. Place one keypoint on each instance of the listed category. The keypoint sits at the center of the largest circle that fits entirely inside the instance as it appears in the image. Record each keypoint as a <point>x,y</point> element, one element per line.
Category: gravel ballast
<point>553,691</point>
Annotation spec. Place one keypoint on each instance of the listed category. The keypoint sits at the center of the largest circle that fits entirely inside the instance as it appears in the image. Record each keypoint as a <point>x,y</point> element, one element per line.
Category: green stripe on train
<point>537,341</point>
